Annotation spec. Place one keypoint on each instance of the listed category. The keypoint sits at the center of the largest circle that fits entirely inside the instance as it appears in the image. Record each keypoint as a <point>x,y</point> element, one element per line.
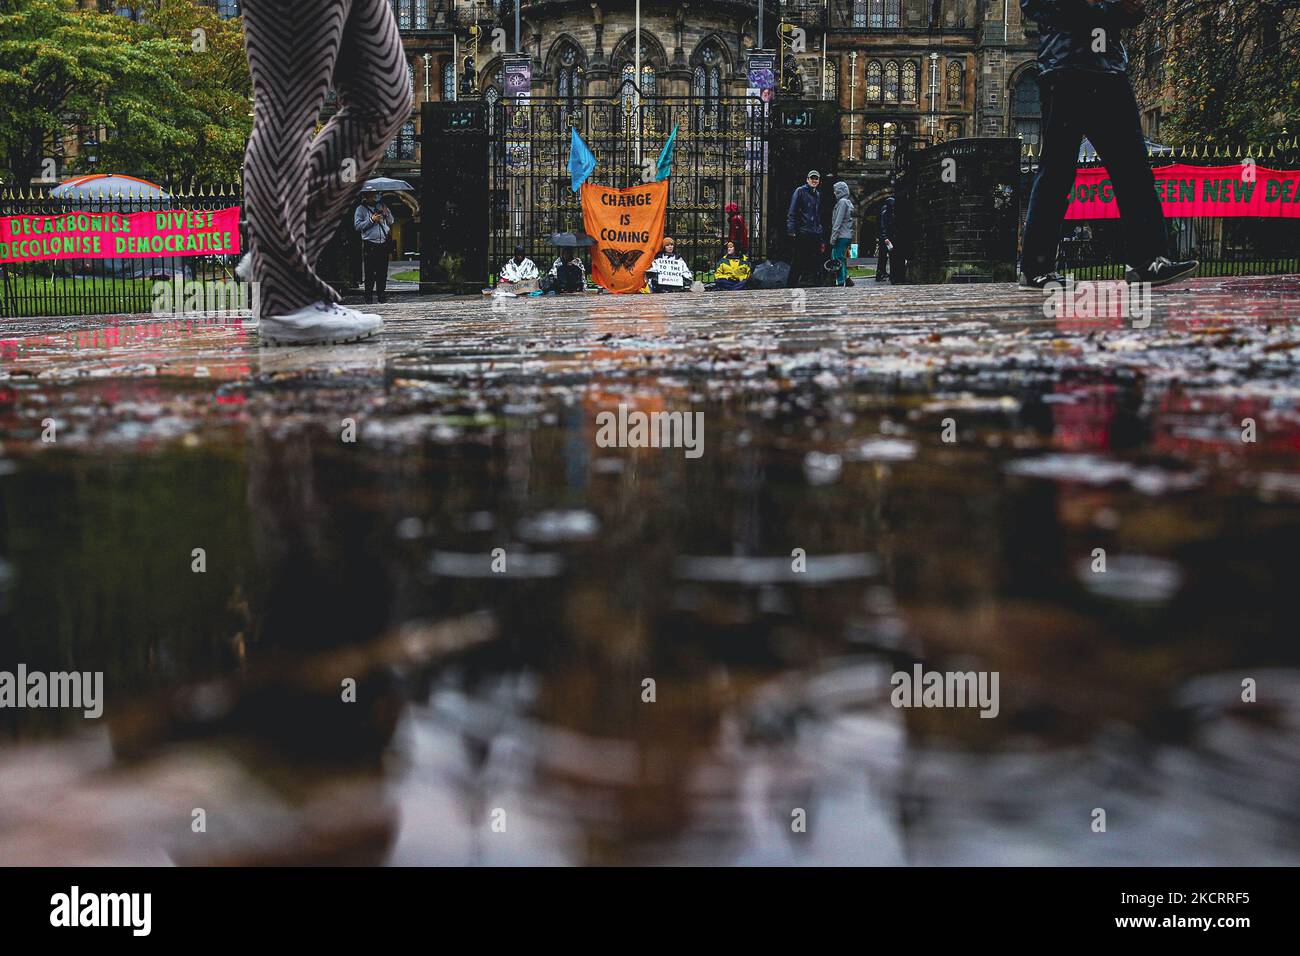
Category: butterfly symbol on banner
<point>622,258</point>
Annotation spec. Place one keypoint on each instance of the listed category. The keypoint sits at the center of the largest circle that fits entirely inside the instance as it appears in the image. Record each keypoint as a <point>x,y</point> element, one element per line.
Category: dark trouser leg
<point>368,268</point>
<point>381,269</point>
<point>1065,96</point>
<point>882,261</point>
<point>1116,131</point>
<point>807,251</point>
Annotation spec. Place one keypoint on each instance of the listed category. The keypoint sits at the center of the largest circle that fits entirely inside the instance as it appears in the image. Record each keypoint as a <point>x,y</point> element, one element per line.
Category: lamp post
<point>428,58</point>
<point>853,86</point>
<point>934,95</point>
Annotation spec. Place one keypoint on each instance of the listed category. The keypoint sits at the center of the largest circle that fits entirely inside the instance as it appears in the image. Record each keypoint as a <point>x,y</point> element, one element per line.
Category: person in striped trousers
<point>296,185</point>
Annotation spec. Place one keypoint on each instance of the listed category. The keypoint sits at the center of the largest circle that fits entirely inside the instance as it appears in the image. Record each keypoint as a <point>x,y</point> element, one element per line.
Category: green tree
<point>1224,72</point>
<point>172,104</point>
<point>195,124</point>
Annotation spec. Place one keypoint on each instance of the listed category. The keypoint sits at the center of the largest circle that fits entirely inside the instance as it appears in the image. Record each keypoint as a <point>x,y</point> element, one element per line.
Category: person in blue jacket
<point>803,224</point>
<point>1084,87</point>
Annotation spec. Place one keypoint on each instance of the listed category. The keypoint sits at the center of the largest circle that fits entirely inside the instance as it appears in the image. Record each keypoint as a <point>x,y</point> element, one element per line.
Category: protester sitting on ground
<point>518,269</point>
<point>567,272</point>
<point>733,269</point>
<point>669,271</point>
<point>736,228</point>
<point>842,232</point>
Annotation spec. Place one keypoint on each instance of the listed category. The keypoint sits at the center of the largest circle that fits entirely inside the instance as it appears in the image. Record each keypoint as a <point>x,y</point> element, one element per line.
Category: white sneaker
<point>244,270</point>
<point>321,323</point>
<point>351,313</point>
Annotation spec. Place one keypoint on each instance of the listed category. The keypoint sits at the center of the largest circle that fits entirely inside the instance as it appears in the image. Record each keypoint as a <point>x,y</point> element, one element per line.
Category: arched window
<point>411,14</point>
<point>873,81</point>
<point>652,59</point>
<point>706,78</point>
<point>888,139</point>
<point>892,14</point>
<point>1026,110</point>
<point>859,13</point>
<point>707,84</point>
<point>568,73</point>
<point>448,80</point>
<point>871,144</point>
<point>911,74</point>
<point>492,93</point>
<point>956,83</point>
<point>891,81</point>
<point>402,147</point>
<point>875,14</point>
<point>954,130</point>
<point>647,81</point>
<point>832,88</point>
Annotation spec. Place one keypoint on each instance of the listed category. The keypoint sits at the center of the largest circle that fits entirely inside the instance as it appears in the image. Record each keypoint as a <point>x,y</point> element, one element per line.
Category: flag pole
<point>636,79</point>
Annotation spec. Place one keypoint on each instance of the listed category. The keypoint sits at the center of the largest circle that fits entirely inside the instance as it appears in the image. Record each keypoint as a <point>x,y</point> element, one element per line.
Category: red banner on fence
<point>114,235</point>
<point>1241,190</point>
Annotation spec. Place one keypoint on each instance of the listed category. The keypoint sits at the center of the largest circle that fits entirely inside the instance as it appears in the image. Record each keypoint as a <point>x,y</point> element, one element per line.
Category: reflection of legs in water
<point>320,584</point>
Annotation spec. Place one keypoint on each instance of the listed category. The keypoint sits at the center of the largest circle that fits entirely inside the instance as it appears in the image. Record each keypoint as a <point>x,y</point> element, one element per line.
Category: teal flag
<point>666,156</point>
<point>581,159</point>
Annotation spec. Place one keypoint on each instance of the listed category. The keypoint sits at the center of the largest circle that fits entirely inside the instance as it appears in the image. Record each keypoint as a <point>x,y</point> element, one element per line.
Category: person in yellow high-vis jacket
<point>733,269</point>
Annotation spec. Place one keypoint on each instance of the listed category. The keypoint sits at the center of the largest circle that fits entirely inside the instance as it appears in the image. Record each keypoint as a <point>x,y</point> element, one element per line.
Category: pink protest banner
<point>113,235</point>
<point>1241,190</point>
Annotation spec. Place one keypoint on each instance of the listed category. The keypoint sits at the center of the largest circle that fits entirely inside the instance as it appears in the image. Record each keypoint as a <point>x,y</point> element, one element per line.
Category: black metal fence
<point>720,158</point>
<point>1225,245</point>
<point>118,285</point>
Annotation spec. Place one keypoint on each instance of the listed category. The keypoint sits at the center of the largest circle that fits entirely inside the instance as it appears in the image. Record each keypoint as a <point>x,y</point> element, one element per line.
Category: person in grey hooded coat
<point>842,231</point>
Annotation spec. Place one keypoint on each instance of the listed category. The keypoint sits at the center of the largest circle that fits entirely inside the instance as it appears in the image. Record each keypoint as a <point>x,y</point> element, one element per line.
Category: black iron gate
<point>720,158</point>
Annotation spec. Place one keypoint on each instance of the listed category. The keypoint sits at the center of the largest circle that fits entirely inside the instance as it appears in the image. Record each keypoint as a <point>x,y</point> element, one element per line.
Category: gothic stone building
<point>929,69</point>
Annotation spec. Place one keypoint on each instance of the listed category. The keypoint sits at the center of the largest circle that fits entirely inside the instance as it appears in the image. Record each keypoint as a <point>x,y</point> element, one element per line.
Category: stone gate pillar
<point>959,208</point>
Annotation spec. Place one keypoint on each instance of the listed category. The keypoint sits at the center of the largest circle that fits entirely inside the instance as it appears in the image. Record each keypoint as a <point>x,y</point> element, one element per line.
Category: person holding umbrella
<point>373,221</point>
<point>567,272</point>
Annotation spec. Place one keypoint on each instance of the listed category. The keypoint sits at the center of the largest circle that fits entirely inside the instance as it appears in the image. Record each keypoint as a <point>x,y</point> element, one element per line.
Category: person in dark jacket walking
<point>886,244</point>
<point>803,224</point>
<point>1085,91</point>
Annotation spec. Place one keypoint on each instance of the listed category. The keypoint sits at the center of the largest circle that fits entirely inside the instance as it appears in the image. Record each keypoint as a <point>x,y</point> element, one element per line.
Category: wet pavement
<point>890,476</point>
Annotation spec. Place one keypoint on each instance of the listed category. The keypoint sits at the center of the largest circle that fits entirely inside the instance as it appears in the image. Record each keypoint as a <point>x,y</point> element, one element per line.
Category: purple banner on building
<point>518,70</point>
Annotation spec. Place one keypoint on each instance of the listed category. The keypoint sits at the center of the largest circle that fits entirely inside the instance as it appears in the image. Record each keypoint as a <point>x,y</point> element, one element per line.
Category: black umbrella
<point>571,240</point>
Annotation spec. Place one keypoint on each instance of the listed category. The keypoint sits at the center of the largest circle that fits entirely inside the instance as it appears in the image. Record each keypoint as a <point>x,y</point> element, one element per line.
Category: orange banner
<point>628,226</point>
